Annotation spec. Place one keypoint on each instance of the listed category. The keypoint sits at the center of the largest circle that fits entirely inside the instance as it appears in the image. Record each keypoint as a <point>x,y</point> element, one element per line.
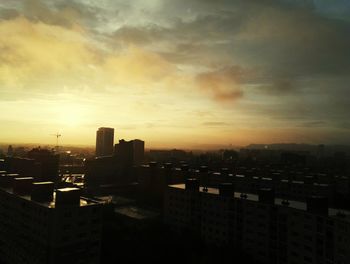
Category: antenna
<point>57,135</point>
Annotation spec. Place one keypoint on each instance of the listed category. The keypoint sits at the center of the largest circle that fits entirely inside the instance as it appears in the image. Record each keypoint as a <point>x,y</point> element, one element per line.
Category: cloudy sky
<point>176,73</point>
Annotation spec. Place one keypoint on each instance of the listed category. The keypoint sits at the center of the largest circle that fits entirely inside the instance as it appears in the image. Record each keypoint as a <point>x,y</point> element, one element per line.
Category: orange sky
<point>172,80</point>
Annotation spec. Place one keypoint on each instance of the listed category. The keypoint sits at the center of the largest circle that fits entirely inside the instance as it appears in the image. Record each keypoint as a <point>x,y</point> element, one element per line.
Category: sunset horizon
<point>175,131</point>
<point>178,74</point>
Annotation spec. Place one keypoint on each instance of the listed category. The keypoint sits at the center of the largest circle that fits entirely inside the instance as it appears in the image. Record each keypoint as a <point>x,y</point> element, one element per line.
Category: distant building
<point>139,151</point>
<point>104,141</point>
<point>154,178</point>
<point>40,225</point>
<point>130,152</point>
<point>10,151</point>
<point>124,151</point>
<point>22,166</point>
<point>113,167</point>
<point>174,155</point>
<point>2,165</point>
<point>101,170</point>
<point>48,163</point>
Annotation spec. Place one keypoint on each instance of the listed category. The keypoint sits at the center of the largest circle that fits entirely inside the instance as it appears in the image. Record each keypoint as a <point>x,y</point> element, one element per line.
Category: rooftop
<point>136,212</point>
<point>333,212</point>
<point>50,204</point>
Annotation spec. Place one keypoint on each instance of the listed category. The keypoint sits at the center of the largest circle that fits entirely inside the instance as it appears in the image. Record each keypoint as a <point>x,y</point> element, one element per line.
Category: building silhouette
<point>130,152</point>
<point>41,225</point>
<point>48,162</point>
<point>139,151</point>
<point>104,141</point>
<point>116,169</point>
<point>10,151</point>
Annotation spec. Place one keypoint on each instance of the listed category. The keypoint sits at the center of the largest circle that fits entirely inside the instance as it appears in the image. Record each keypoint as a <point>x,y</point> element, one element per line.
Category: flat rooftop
<point>116,200</point>
<point>51,204</point>
<point>332,212</point>
<point>136,212</point>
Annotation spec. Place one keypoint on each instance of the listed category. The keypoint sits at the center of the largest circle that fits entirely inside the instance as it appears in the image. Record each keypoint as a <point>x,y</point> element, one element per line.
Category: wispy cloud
<point>278,63</point>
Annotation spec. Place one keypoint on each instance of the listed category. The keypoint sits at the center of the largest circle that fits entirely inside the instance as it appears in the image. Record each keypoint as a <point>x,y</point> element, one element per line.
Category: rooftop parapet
<point>192,184</point>
<point>317,205</point>
<point>67,197</point>
<point>6,180</point>
<point>224,171</point>
<point>168,165</point>
<point>153,164</point>
<point>226,189</point>
<point>185,167</point>
<point>266,195</point>
<point>203,169</point>
<point>23,185</point>
<point>42,191</point>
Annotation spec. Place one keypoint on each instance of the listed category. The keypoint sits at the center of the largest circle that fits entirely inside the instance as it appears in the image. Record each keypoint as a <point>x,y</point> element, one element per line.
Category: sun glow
<point>71,115</point>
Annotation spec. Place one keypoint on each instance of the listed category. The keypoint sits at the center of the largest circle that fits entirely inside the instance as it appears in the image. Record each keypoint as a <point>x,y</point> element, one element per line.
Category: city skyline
<point>175,73</point>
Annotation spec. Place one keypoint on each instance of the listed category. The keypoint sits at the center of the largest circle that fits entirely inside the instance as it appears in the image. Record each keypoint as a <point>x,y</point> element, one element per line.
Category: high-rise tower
<point>104,141</point>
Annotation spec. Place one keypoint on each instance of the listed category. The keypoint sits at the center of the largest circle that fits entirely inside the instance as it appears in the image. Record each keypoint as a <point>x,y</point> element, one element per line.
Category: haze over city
<point>176,131</point>
<point>176,73</point>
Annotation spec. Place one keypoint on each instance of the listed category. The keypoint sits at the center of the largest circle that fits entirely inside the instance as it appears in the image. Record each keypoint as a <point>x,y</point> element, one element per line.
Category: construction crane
<point>57,135</point>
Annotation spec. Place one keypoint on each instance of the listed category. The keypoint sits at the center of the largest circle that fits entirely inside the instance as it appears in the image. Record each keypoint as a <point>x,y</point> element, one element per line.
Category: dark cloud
<point>298,43</point>
<point>224,85</point>
<point>139,35</point>
<point>345,125</point>
<point>60,13</point>
<point>38,11</point>
<point>285,40</point>
<point>295,52</point>
<point>8,13</point>
<point>314,124</point>
<point>278,87</point>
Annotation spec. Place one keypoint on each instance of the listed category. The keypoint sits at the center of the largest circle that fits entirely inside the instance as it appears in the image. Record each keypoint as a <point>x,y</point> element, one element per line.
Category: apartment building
<point>295,188</point>
<point>270,229</point>
<point>41,225</point>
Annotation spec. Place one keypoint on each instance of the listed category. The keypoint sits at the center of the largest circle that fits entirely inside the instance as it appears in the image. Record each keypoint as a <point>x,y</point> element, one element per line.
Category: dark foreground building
<point>41,225</point>
<point>42,164</point>
<point>271,230</point>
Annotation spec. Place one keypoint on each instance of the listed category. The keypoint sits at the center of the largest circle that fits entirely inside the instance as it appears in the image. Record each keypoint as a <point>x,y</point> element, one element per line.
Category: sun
<point>71,115</point>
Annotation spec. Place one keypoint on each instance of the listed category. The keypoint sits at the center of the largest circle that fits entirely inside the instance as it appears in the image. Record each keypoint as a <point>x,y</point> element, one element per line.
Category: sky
<point>177,74</point>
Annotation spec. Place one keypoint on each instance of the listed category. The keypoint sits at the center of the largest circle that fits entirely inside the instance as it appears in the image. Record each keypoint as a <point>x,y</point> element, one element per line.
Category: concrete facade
<point>46,230</point>
<point>271,230</point>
